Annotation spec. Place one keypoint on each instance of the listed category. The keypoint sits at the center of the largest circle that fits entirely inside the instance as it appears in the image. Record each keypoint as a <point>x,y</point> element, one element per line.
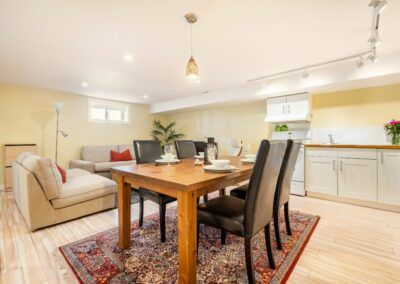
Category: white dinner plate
<point>198,157</point>
<point>212,168</point>
<point>166,162</point>
<point>248,161</point>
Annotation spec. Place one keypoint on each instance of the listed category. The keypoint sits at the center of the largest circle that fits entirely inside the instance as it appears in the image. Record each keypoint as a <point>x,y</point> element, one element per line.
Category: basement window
<point>108,112</point>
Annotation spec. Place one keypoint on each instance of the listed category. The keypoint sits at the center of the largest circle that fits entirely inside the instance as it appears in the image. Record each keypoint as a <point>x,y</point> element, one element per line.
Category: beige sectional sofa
<point>97,159</point>
<point>44,200</point>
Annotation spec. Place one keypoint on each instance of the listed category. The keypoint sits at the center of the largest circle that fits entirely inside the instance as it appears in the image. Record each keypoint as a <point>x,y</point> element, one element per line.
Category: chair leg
<point>162,221</point>
<point>222,192</point>
<point>223,237</point>
<point>276,229</point>
<point>287,220</point>
<point>249,260</point>
<point>141,209</point>
<point>270,253</point>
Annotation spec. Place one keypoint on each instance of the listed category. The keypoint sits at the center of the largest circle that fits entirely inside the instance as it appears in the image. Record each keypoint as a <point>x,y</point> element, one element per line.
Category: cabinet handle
<point>334,165</point>
<point>382,158</point>
<point>341,166</point>
<point>288,107</point>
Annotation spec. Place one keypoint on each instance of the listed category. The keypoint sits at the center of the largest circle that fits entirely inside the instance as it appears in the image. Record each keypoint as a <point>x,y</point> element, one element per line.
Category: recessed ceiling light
<point>129,57</point>
<point>146,96</point>
<point>84,84</point>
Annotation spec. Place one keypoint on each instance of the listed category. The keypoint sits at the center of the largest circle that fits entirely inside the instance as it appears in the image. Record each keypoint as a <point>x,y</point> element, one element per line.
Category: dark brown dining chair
<point>282,190</point>
<point>147,151</point>
<point>246,218</point>
<point>185,149</point>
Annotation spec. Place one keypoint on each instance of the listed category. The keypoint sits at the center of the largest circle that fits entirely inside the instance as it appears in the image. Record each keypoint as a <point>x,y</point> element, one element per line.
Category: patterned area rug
<point>97,259</point>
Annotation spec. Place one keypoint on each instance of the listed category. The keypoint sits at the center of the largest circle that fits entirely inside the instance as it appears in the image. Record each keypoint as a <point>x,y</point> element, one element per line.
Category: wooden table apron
<point>186,187</point>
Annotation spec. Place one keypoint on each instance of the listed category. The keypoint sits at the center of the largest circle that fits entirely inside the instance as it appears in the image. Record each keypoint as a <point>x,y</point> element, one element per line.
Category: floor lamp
<point>58,106</point>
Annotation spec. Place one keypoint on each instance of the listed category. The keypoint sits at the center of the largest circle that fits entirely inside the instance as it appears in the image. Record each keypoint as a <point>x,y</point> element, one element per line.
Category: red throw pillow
<point>63,173</point>
<point>119,157</point>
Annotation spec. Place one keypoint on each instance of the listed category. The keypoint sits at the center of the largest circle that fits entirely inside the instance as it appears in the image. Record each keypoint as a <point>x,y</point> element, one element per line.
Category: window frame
<point>107,105</point>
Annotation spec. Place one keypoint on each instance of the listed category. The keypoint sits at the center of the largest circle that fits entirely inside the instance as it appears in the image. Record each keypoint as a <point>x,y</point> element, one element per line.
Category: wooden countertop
<point>353,146</point>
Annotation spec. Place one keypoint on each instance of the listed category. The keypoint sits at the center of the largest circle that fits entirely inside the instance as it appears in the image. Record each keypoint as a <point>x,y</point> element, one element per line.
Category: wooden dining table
<point>184,181</point>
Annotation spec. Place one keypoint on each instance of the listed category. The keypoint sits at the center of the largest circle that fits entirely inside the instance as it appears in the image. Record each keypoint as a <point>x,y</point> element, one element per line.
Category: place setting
<point>250,159</point>
<point>169,158</point>
<point>219,166</point>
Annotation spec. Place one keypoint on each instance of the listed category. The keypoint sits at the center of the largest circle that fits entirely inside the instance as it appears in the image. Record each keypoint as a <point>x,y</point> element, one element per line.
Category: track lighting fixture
<point>373,57</point>
<point>305,74</point>
<point>378,5</point>
<point>360,62</point>
<point>374,40</point>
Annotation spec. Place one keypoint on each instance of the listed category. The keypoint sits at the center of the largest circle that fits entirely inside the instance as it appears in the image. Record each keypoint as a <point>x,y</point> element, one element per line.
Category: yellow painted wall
<point>361,107</point>
<point>27,116</point>
<point>244,121</point>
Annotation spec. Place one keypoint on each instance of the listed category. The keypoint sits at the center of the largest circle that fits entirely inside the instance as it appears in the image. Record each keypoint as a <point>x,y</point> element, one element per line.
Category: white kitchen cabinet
<point>389,177</point>
<point>321,175</point>
<point>276,109</point>
<point>288,108</point>
<point>297,107</point>
<point>357,179</point>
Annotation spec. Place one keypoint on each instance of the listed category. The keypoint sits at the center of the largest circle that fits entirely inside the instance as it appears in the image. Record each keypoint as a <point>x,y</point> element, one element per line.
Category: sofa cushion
<point>106,167</point>
<point>84,188</point>
<point>122,148</point>
<point>97,154</point>
<point>73,173</point>
<point>119,157</point>
<point>46,172</point>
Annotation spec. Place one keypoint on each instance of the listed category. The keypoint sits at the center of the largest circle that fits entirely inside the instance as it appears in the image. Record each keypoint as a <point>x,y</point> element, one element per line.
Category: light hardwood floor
<point>351,244</point>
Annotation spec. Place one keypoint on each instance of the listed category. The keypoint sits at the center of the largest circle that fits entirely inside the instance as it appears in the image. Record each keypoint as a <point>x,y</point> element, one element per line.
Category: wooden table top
<point>184,175</point>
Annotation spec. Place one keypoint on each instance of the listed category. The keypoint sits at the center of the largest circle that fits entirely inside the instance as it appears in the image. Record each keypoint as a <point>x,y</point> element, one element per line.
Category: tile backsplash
<point>351,135</point>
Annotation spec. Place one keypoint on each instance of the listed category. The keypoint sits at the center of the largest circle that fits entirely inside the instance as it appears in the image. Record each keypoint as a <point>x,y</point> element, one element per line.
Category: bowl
<point>168,157</point>
<point>220,164</point>
<point>251,157</point>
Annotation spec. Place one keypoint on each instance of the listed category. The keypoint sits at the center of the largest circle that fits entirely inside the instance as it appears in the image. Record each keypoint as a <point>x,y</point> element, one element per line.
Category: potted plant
<point>166,134</point>
<point>393,128</point>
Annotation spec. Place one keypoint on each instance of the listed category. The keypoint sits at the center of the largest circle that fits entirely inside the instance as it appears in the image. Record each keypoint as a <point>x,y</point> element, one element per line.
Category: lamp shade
<point>192,70</point>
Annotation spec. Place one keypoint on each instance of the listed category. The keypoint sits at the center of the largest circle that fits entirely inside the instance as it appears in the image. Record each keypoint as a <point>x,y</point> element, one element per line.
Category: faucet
<point>331,141</point>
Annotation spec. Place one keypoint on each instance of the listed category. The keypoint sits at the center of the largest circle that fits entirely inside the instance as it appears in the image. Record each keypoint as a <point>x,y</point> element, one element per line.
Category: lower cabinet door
<point>389,177</point>
<point>321,175</point>
<point>358,179</point>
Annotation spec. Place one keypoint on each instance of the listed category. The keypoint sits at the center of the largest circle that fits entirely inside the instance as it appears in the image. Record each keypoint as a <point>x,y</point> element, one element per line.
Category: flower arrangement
<point>393,128</point>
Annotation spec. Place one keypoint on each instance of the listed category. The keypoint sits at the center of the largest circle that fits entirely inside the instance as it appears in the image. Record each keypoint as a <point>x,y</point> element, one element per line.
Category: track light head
<point>373,57</point>
<point>305,74</point>
<point>360,62</point>
<point>378,5</point>
<point>374,40</point>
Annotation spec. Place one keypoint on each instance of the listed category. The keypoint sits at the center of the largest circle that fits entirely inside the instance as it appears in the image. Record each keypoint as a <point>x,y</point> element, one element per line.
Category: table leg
<point>187,226</point>
<point>124,213</point>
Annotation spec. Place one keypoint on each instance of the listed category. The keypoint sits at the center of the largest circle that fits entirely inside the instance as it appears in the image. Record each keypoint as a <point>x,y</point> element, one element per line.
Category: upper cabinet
<point>290,108</point>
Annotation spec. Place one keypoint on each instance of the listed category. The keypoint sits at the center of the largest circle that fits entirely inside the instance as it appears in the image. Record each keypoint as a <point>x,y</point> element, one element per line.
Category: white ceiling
<point>58,44</point>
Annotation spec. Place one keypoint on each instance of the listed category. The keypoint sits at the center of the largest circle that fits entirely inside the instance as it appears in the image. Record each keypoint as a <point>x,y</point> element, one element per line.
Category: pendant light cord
<point>191,39</point>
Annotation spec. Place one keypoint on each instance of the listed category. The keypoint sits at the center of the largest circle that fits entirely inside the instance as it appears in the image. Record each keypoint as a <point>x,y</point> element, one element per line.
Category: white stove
<point>297,185</point>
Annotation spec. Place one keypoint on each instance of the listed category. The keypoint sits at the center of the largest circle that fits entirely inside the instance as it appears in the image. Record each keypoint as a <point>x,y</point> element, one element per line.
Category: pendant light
<point>192,69</point>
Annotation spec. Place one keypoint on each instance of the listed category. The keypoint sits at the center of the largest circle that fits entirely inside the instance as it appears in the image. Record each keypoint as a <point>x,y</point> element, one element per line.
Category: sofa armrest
<point>81,164</point>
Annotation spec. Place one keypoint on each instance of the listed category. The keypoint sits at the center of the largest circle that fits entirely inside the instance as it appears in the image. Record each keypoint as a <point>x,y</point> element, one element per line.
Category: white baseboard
<point>1,186</point>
